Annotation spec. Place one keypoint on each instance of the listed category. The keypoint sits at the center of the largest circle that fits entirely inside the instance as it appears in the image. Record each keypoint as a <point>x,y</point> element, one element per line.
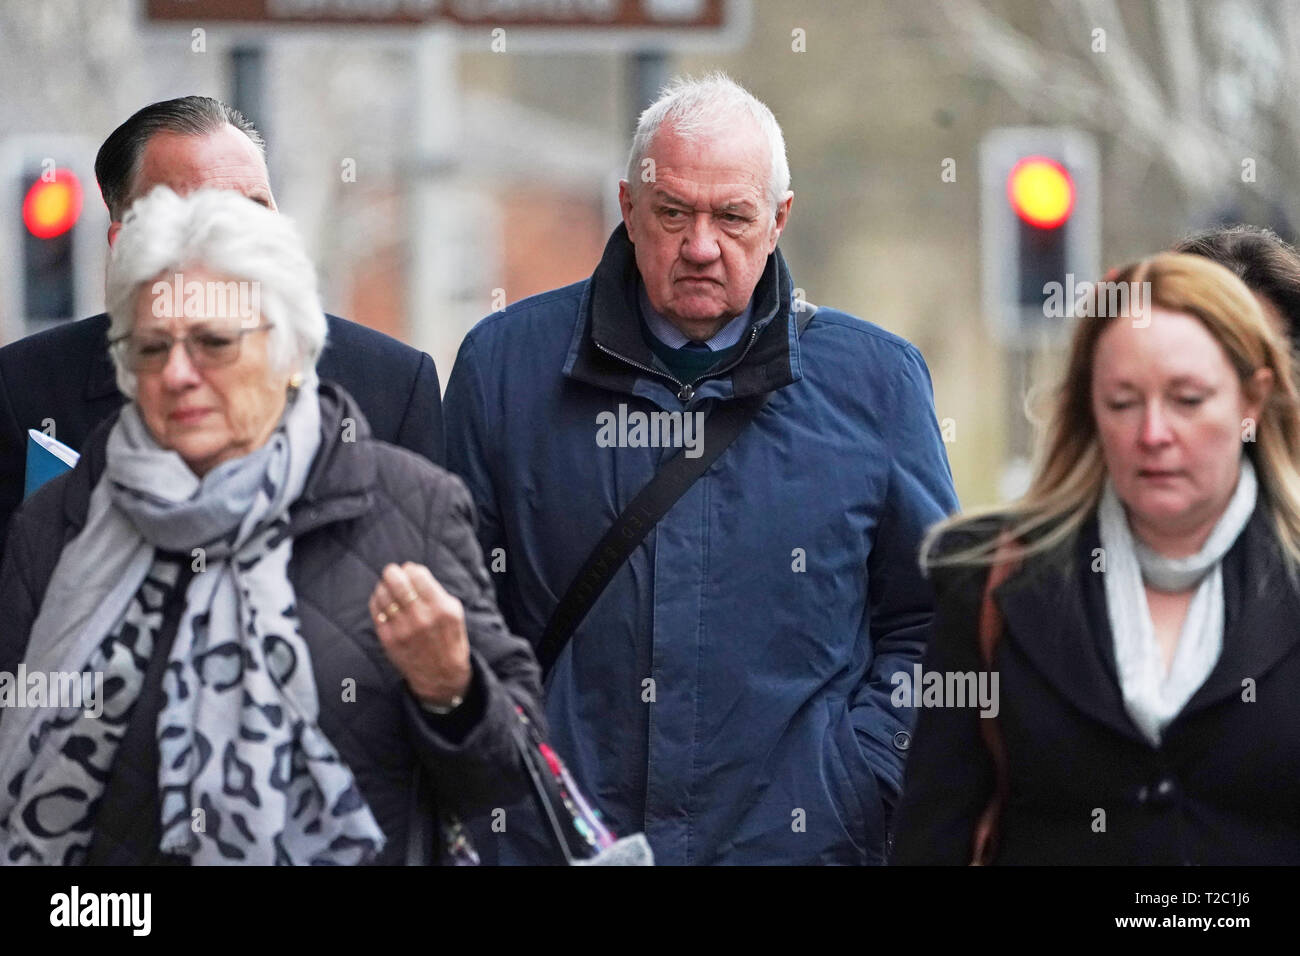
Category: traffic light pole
<point>248,81</point>
<point>648,72</point>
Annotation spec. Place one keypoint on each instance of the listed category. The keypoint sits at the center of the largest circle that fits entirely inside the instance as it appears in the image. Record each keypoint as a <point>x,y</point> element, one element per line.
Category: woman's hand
<point>422,630</point>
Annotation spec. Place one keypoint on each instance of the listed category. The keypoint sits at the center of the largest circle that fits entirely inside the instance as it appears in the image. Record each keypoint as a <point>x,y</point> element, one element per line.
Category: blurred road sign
<point>1039,230</point>
<point>53,239</point>
<point>604,25</point>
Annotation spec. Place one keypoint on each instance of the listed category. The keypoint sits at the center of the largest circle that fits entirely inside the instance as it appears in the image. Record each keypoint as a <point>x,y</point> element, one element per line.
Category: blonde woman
<point>1139,607</point>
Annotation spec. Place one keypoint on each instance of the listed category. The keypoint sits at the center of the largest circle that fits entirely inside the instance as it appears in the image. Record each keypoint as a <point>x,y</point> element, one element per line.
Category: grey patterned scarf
<point>245,773</point>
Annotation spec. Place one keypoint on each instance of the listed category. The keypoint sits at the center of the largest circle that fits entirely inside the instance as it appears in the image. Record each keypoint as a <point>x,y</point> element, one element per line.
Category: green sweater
<point>687,364</point>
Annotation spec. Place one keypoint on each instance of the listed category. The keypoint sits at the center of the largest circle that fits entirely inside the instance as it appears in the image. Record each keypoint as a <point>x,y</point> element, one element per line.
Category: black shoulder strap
<point>419,841</point>
<point>651,503</point>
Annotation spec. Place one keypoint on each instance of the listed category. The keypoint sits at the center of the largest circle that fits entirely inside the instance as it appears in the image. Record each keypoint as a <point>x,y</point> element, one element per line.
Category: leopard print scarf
<point>245,773</point>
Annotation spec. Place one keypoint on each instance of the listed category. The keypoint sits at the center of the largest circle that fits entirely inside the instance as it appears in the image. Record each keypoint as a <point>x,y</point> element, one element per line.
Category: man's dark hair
<point>119,157</point>
<point>1268,264</point>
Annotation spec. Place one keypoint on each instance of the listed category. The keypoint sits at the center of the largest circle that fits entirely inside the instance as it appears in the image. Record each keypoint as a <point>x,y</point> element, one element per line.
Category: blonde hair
<point>1070,472</point>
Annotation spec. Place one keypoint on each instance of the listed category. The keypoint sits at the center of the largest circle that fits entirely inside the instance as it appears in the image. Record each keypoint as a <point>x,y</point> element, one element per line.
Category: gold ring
<point>392,609</point>
<point>411,598</point>
<point>381,617</point>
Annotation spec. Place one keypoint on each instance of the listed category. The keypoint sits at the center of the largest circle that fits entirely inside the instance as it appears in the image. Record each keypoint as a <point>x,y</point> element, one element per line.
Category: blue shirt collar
<point>671,336</point>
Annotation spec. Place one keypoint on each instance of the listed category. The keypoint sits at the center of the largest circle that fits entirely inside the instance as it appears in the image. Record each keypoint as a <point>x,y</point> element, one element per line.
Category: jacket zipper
<point>685,392</point>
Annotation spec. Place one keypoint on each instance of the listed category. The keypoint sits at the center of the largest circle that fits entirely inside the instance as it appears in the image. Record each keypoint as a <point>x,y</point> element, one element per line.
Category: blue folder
<point>46,458</point>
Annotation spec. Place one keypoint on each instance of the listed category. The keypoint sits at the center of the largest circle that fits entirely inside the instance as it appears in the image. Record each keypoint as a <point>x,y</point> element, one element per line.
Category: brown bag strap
<point>985,843</point>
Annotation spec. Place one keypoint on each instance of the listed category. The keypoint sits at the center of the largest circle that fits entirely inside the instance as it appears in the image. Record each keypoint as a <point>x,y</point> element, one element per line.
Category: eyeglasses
<point>207,345</point>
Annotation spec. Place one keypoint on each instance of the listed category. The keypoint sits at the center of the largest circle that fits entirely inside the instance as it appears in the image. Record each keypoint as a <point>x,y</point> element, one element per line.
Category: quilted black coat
<point>366,503</point>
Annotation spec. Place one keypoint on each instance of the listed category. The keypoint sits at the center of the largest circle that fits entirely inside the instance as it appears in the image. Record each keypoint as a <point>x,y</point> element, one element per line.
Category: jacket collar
<point>1262,607</point>
<point>342,480</point>
<point>608,322</point>
<point>340,484</point>
<point>101,378</point>
<point>1047,615</point>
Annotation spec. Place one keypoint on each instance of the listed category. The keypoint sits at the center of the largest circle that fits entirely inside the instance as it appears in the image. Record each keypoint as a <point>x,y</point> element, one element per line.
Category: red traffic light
<point>52,205</point>
<point>1041,191</point>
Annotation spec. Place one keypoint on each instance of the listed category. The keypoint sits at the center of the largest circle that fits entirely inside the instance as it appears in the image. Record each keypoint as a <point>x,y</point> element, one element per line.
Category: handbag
<point>575,826</point>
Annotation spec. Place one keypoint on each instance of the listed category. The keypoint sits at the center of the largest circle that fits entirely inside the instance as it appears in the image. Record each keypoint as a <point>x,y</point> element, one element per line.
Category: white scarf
<point>1152,696</point>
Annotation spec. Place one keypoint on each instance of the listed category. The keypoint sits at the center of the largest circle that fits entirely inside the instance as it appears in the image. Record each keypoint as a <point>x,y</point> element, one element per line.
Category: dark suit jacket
<point>65,374</point>
<point>1221,789</point>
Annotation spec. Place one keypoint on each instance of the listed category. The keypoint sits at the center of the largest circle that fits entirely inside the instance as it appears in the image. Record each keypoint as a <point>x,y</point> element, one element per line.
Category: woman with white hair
<point>291,623</point>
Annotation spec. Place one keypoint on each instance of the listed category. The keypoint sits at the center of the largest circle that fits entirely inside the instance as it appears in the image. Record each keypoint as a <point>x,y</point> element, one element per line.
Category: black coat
<point>65,374</point>
<point>1222,788</point>
<point>365,504</point>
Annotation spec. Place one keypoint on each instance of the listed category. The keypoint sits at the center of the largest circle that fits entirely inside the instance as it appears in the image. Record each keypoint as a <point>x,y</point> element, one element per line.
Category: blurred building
<point>436,180</point>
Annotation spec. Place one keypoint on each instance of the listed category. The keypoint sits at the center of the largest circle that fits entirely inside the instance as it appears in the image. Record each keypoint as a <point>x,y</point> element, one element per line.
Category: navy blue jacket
<point>729,693</point>
<point>65,374</point>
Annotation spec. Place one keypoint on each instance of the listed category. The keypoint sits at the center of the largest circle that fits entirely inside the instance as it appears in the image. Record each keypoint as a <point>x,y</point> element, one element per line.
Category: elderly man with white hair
<point>702,499</point>
<point>291,623</point>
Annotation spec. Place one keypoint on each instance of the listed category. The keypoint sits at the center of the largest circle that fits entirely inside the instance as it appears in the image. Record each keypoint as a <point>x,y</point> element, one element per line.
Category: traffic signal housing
<point>52,248</point>
<point>1039,235</point>
<point>52,202</point>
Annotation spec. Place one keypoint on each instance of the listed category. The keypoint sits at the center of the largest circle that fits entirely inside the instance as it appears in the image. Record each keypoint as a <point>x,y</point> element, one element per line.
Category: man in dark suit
<point>64,375</point>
